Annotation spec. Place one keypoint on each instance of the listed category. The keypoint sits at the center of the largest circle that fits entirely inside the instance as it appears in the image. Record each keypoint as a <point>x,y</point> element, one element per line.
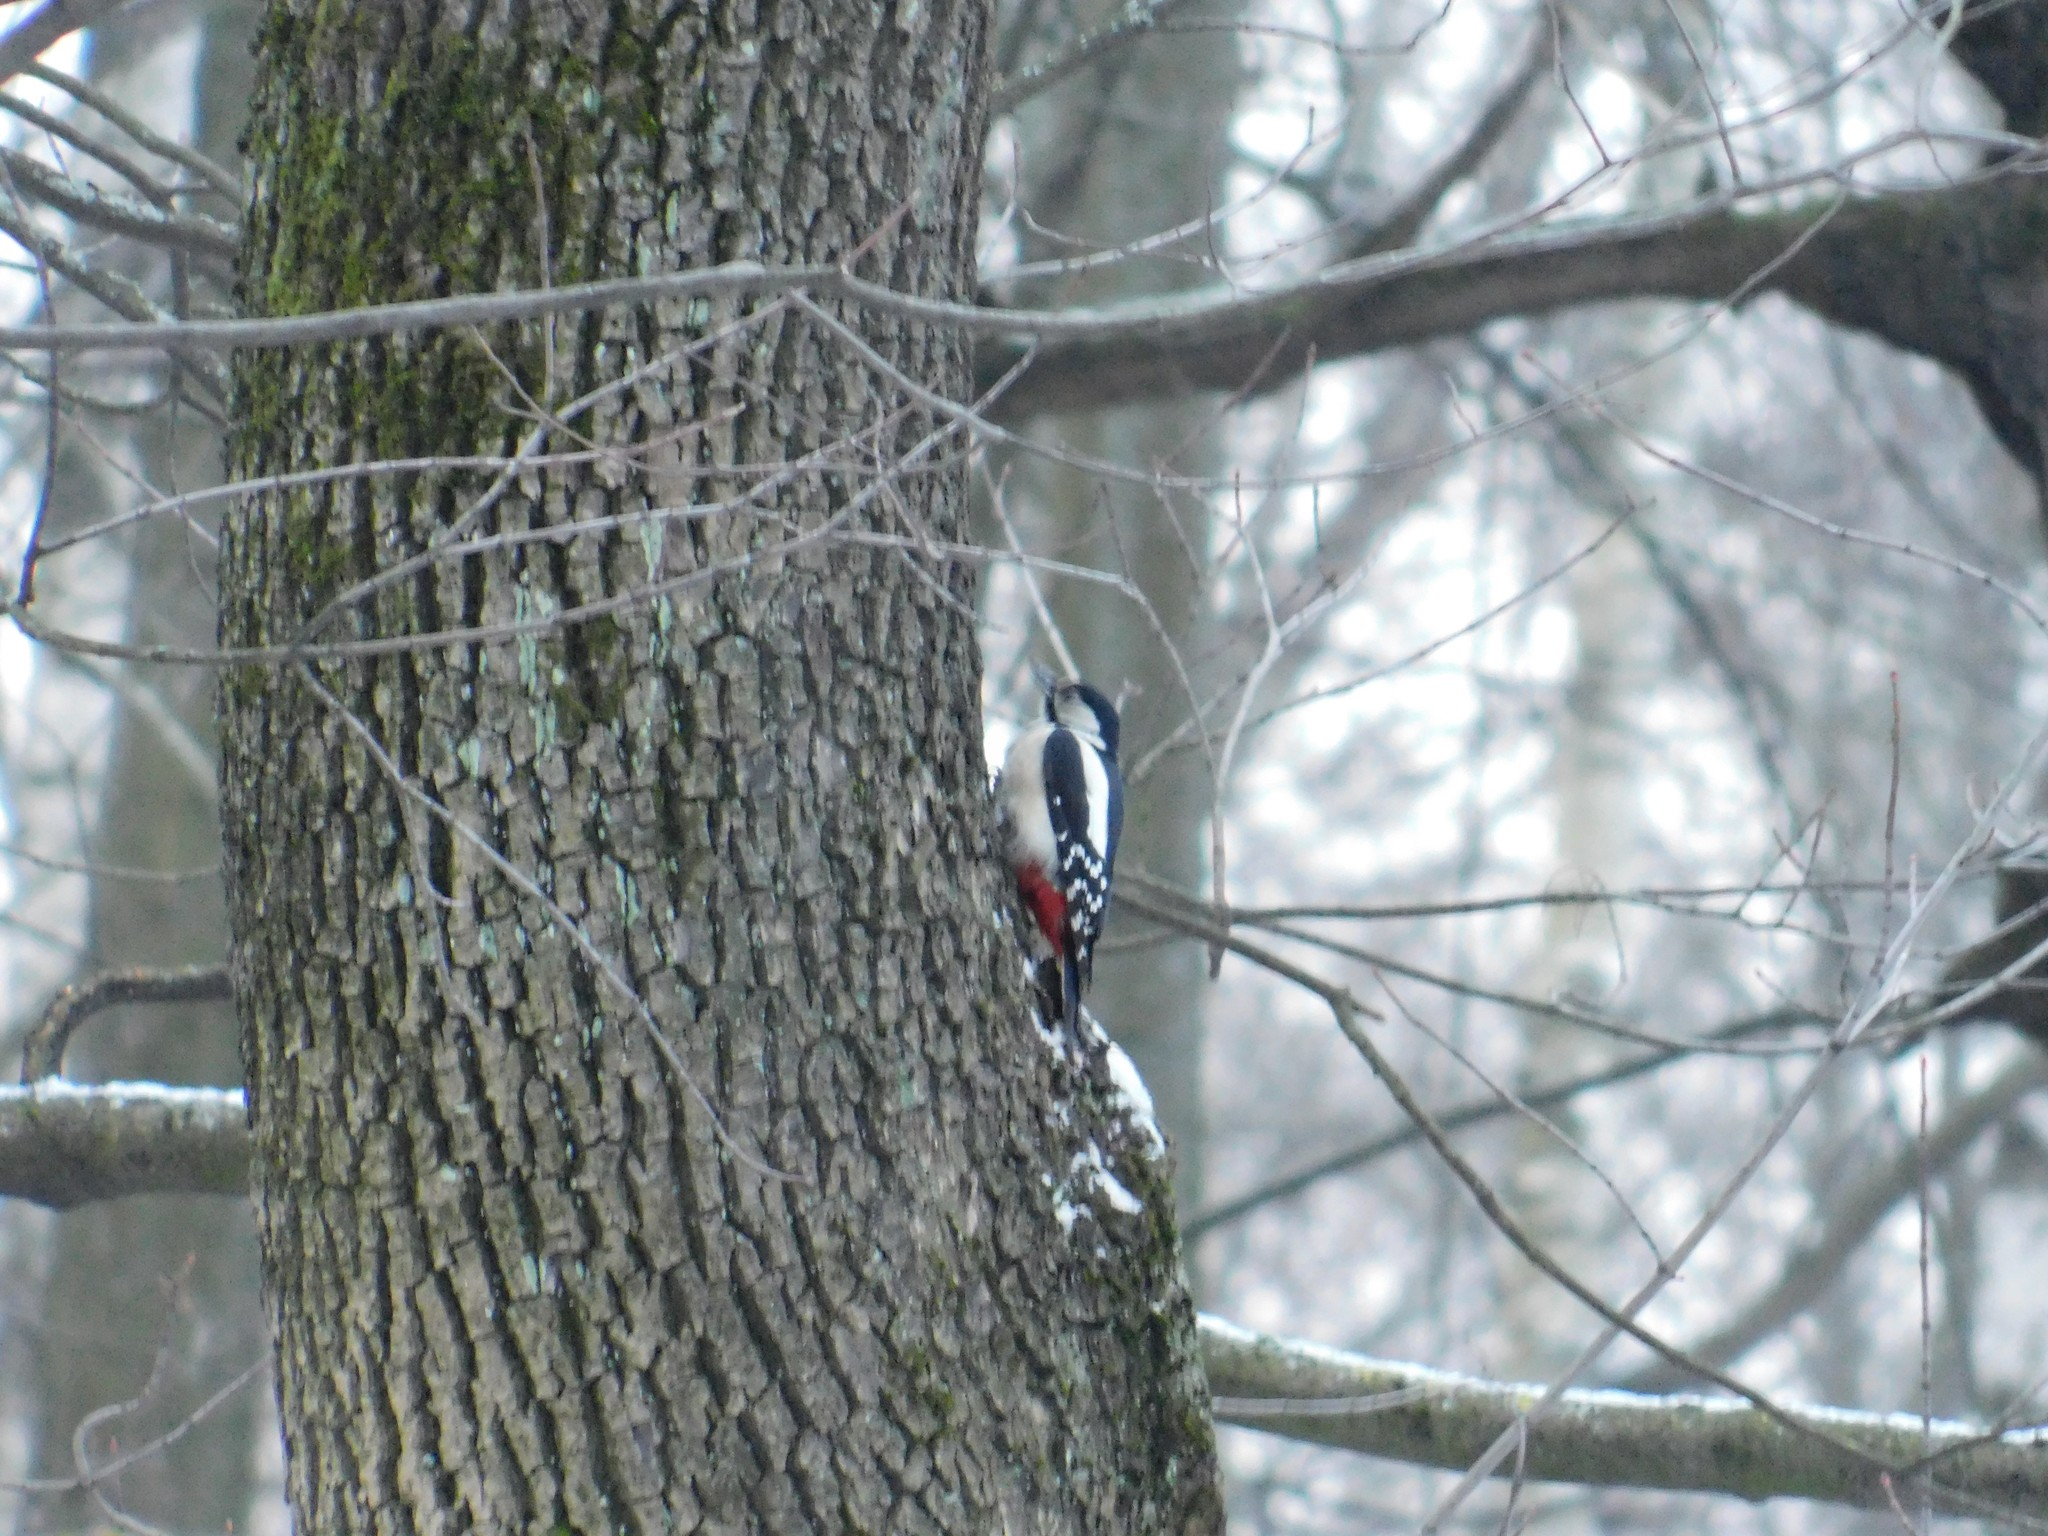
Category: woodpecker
<point>1062,803</point>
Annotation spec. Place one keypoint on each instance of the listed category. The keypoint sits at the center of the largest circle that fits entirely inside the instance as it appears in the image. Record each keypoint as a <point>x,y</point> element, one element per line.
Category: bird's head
<point>1082,709</point>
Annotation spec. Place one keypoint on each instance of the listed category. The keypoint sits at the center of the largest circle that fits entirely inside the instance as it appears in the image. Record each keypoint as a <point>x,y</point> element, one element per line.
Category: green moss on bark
<point>745,823</point>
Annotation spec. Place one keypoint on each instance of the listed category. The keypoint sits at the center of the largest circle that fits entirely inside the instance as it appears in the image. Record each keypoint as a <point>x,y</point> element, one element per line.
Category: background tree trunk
<point>502,906</point>
<point>1103,190</point>
<point>173,1275</point>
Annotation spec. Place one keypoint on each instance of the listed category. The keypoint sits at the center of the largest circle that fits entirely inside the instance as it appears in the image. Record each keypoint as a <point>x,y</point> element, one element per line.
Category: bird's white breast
<point>1024,792</point>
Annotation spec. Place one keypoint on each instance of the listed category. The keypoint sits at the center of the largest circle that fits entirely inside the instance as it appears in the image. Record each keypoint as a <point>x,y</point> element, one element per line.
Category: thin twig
<point>217,176</point>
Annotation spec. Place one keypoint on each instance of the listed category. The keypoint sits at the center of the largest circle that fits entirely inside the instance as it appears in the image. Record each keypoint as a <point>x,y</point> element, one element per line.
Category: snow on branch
<point>1617,1439</point>
<point>64,1144</point>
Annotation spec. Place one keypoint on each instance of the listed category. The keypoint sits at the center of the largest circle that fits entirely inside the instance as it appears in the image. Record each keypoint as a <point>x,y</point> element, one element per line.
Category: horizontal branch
<point>1223,337</point>
<point>1873,263</point>
<point>1436,289</point>
<point>66,1144</point>
<point>1929,270</point>
<point>1614,1439</point>
<point>117,213</point>
<point>738,279</point>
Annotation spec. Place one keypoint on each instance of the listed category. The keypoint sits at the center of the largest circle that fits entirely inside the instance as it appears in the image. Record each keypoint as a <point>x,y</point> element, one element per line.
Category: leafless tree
<point>1584,720</point>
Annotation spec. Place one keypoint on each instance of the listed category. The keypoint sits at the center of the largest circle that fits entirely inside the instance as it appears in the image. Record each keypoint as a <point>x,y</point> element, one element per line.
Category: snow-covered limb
<point>1615,1439</point>
<point>64,1144</point>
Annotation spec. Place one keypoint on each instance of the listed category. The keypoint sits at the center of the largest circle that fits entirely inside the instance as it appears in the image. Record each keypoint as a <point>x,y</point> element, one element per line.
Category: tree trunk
<point>505,904</point>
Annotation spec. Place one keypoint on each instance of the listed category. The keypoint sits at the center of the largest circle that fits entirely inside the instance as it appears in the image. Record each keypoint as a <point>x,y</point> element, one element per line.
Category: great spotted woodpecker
<point>1062,803</point>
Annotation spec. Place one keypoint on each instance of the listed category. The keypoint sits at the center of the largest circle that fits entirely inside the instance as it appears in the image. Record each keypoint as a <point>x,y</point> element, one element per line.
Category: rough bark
<point>481,890</point>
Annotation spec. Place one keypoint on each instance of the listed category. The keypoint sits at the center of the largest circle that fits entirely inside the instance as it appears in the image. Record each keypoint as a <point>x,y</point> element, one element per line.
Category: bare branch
<point>1476,1111</point>
<point>118,293</point>
<point>68,132</point>
<point>1212,338</point>
<point>222,180</point>
<point>1613,1439</point>
<point>1089,48</point>
<point>1887,265</point>
<point>42,1055</point>
<point>1403,298</point>
<point>49,23</point>
<point>64,1144</point>
<point>1851,1215</point>
<point>121,215</point>
<point>1404,221</point>
<point>736,279</point>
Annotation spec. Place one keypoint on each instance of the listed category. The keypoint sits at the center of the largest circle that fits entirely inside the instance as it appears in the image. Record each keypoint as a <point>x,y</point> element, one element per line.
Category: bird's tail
<point>1070,985</point>
<point>1045,976</point>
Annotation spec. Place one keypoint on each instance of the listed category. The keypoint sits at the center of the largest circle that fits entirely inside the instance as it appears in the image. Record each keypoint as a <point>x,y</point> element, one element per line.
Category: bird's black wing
<point>1083,871</point>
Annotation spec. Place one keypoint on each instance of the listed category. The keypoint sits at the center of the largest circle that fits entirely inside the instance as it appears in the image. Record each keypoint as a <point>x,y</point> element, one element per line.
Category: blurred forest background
<point>1597,693</point>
